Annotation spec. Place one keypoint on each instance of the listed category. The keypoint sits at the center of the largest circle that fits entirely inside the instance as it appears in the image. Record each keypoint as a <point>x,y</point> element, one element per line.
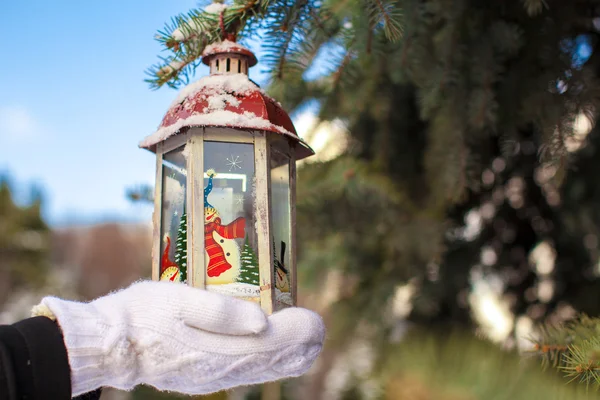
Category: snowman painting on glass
<point>229,218</point>
<point>225,185</point>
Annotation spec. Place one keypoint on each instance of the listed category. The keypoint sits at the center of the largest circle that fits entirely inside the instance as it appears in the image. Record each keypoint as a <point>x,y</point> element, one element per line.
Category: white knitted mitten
<point>181,339</point>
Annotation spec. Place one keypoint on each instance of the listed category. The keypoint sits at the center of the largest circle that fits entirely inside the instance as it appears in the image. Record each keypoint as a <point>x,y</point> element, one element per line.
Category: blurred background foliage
<point>459,212</point>
<point>24,242</point>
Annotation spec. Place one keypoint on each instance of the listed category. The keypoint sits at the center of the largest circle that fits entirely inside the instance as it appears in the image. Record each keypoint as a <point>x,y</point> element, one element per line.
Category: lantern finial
<point>228,57</point>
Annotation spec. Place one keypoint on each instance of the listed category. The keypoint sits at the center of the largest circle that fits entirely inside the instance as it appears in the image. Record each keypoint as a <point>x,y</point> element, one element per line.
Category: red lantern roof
<point>226,98</point>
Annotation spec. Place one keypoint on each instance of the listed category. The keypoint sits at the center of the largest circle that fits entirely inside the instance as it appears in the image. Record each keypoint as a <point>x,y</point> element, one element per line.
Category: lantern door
<point>231,243</point>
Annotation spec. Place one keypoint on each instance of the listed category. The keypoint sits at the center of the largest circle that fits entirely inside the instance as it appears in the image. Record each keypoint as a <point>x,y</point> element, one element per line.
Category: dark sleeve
<point>33,361</point>
<point>8,388</point>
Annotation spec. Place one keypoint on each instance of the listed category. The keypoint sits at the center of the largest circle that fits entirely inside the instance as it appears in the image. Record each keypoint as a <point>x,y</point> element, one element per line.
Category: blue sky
<point>73,103</point>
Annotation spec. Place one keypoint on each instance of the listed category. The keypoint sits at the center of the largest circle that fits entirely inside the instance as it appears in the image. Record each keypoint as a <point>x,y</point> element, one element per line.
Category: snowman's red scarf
<point>217,263</point>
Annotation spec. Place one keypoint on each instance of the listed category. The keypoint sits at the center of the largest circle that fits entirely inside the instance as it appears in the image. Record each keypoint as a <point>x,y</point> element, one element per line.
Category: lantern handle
<point>224,34</point>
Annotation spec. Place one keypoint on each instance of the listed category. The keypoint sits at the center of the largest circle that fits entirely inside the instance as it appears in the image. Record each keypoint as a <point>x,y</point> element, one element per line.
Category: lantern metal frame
<point>194,138</point>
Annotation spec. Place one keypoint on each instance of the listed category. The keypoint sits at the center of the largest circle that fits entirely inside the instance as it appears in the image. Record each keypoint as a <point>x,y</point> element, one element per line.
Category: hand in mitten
<point>178,338</point>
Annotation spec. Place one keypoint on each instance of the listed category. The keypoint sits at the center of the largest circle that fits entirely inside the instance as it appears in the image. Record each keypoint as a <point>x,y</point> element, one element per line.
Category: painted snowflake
<point>233,162</point>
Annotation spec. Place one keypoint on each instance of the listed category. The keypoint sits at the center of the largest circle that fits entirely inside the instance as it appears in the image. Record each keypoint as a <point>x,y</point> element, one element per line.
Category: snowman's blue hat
<point>208,188</point>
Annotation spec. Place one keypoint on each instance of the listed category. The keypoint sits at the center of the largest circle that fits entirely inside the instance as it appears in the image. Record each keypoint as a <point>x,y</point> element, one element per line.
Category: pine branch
<point>583,361</point>
<point>573,348</point>
<point>345,61</point>
<point>388,15</point>
<point>287,34</point>
<point>552,345</point>
<point>295,32</point>
<point>188,35</point>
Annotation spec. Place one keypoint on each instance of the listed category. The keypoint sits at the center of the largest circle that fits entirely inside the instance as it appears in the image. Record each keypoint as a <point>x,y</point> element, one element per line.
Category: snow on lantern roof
<point>232,101</point>
<point>228,47</point>
<point>226,98</point>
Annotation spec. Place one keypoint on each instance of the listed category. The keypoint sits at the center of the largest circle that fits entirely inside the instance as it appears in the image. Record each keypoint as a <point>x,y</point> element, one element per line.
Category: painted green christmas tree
<point>249,265</point>
<point>181,248</point>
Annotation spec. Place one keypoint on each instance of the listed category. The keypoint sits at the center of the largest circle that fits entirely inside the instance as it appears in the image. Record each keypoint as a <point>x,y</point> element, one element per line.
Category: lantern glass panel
<point>281,227</point>
<point>173,261</point>
<point>230,240</point>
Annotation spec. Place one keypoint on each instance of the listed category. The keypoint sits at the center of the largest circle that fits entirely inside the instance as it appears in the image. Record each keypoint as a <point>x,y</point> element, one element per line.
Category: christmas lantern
<point>224,213</point>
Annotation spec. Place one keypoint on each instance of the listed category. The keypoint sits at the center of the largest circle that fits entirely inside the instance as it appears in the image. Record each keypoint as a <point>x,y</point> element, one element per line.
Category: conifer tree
<point>461,128</point>
<point>181,248</point>
<point>24,242</point>
<point>249,265</point>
